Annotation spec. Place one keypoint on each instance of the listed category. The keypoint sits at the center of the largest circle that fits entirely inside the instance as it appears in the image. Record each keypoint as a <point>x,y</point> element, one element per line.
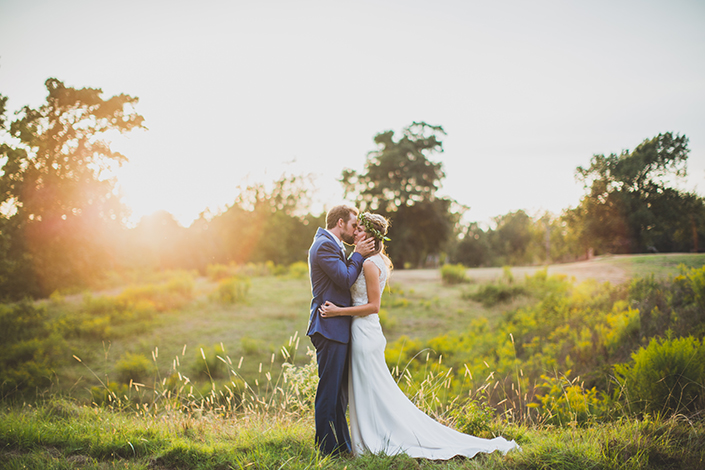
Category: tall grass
<point>62,434</point>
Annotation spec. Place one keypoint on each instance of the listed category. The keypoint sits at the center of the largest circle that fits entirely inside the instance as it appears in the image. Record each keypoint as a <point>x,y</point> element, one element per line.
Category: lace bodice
<point>359,289</point>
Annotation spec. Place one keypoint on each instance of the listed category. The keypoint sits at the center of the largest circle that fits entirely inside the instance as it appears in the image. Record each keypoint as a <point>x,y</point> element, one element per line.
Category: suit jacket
<point>332,276</point>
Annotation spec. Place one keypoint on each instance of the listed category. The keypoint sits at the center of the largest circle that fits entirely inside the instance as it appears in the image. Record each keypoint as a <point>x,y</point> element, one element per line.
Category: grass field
<point>417,305</point>
<point>60,435</point>
<point>61,429</point>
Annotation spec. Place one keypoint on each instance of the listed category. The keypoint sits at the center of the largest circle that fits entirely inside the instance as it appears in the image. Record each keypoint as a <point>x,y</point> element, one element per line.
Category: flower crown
<point>371,229</point>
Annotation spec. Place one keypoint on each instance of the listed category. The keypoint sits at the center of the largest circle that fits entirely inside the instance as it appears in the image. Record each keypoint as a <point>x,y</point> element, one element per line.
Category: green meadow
<point>177,370</point>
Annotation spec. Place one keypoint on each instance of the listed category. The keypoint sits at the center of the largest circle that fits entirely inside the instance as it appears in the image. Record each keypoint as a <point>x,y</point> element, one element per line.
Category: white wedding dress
<point>382,418</point>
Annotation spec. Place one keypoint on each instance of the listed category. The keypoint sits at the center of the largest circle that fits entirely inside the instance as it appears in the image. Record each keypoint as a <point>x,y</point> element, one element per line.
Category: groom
<point>331,278</point>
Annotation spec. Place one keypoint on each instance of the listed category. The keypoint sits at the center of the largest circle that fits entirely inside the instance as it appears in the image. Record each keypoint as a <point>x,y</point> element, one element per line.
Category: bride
<point>382,418</point>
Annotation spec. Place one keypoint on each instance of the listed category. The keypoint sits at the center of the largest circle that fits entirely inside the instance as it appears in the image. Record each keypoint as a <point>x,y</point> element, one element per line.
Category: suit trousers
<point>332,435</point>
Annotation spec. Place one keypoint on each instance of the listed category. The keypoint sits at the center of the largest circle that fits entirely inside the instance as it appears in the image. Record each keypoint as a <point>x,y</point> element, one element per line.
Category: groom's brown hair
<point>339,212</point>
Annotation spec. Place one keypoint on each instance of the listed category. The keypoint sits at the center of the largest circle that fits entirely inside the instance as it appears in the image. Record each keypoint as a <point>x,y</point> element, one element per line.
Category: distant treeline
<point>63,227</point>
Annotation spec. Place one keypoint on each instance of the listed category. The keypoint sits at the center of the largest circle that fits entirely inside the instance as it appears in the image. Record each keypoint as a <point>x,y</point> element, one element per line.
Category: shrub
<point>217,272</point>
<point>473,418</point>
<point>454,274</point>
<point>668,376</point>
<point>620,328</point>
<point>298,270</point>
<point>568,402</point>
<point>96,327</point>
<point>99,317</point>
<point>181,285</point>
<point>492,294</point>
<point>22,320</point>
<point>696,281</point>
<point>233,290</point>
<point>507,275</point>
<point>541,284</point>
<point>133,367</point>
<point>401,352</point>
<point>28,351</point>
<point>277,269</point>
<point>113,393</point>
<point>24,367</point>
<point>677,304</point>
<point>101,306</point>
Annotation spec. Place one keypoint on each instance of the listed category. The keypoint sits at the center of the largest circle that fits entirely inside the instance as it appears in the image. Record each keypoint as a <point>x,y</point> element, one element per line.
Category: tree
<point>57,202</point>
<point>562,242</point>
<point>630,208</point>
<point>512,240</point>
<point>400,181</point>
<point>473,250</point>
<point>399,173</point>
<point>261,225</point>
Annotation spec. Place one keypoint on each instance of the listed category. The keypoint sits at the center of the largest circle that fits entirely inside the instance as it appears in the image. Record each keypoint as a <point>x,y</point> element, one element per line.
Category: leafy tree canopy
<point>398,173</point>
<point>640,170</point>
<point>54,162</point>
<point>54,196</point>
<point>400,182</point>
<point>631,208</point>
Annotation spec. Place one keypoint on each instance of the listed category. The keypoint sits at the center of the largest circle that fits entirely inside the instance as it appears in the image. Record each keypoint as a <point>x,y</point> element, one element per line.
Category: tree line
<point>62,225</point>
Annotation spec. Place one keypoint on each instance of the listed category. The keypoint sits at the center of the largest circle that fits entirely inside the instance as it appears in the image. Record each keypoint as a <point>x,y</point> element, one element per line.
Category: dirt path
<point>598,269</point>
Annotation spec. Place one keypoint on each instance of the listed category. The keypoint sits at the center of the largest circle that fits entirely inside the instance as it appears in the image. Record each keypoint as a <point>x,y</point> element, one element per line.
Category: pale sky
<point>237,92</point>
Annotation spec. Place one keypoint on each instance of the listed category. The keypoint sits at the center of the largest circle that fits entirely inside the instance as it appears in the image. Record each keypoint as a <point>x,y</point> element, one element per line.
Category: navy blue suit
<point>331,278</point>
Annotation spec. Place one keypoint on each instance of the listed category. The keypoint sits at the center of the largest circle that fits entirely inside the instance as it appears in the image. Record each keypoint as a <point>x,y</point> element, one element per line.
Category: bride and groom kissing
<point>344,328</point>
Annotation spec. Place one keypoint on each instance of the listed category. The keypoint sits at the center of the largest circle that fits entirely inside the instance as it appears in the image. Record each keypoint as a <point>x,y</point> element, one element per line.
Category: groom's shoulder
<point>323,238</point>
<point>320,238</point>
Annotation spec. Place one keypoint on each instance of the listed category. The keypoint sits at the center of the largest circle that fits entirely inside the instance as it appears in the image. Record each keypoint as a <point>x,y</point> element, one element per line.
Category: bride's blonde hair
<point>376,226</point>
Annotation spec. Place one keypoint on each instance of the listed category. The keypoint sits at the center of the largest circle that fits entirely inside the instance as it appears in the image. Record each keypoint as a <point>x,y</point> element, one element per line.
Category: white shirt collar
<point>340,242</point>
